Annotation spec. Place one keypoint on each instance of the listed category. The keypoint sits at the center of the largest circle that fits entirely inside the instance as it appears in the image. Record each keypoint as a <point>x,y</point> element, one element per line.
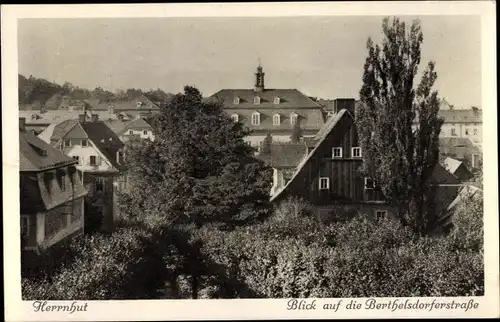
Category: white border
<point>17,310</point>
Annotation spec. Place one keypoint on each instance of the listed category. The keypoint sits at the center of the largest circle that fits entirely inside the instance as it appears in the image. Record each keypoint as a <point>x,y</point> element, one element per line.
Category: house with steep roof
<point>137,128</point>
<point>276,111</point>
<point>329,177</point>
<point>51,194</point>
<point>457,168</point>
<point>99,153</point>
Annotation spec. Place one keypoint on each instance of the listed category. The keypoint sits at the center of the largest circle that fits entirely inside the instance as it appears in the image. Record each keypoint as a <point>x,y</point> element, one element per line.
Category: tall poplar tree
<point>398,122</point>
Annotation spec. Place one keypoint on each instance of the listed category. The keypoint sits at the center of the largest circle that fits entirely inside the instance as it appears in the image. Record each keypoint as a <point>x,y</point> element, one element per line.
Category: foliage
<point>105,267</point>
<point>389,105</point>
<point>357,258</point>
<point>266,145</point>
<point>198,168</point>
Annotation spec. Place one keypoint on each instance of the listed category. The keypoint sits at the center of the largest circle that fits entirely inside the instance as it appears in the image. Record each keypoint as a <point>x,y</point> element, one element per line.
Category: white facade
<point>143,133</point>
<point>86,156</point>
<point>473,131</point>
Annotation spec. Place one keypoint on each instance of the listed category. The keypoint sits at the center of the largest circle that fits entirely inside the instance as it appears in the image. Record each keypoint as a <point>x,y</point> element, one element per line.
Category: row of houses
<point>88,144</point>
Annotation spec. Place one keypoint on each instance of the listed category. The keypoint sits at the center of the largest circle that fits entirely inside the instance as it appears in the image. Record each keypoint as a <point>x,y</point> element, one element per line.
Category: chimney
<point>22,123</point>
<point>95,117</point>
<point>345,103</point>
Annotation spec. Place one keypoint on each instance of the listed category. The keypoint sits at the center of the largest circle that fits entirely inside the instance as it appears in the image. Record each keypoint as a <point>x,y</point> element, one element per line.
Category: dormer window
<point>276,119</point>
<point>293,119</point>
<point>256,118</point>
<point>276,100</point>
<point>119,156</point>
<point>236,101</point>
<point>256,100</point>
<point>139,104</point>
<point>235,117</point>
<point>356,152</point>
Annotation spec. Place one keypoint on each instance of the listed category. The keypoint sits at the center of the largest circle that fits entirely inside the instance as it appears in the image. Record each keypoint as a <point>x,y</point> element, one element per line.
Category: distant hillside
<point>39,91</point>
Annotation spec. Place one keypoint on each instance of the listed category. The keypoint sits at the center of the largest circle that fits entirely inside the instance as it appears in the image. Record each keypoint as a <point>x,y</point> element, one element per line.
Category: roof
<point>461,116</point>
<point>105,140</point>
<point>327,104</point>
<point>329,126</point>
<point>467,192</point>
<point>287,155</point>
<point>309,119</point>
<point>139,123</point>
<point>117,126</point>
<point>37,155</point>
<point>47,133</point>
<point>289,98</point>
<point>58,116</point>
<point>451,164</point>
<point>129,104</point>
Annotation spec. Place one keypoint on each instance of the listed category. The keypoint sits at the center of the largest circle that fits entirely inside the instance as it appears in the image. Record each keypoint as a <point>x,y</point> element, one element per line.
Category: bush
<point>105,267</point>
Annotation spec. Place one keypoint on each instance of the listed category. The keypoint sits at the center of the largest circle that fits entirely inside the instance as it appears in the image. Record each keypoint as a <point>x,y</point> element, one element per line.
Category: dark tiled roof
<point>289,98</point>
<point>37,155</point>
<point>441,176</point>
<point>61,129</point>
<point>287,155</point>
<point>310,119</point>
<point>117,126</point>
<point>105,140</point>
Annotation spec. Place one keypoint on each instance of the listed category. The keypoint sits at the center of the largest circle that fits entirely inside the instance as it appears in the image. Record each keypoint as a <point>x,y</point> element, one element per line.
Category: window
<point>474,160</point>
<point>466,131</point>
<point>255,119</point>
<point>276,119</point>
<point>356,152</point>
<point>93,160</point>
<point>62,182</point>
<point>145,132</point>
<point>236,100</point>
<point>324,183</point>
<point>130,132</point>
<point>276,100</point>
<point>453,132</point>
<point>336,153</point>
<point>475,131</point>
<point>85,143</point>
<point>256,100</point>
<point>293,119</point>
<point>99,184</point>
<point>25,226</point>
<point>369,183</point>
<point>67,143</point>
<point>380,214</point>
<point>76,158</point>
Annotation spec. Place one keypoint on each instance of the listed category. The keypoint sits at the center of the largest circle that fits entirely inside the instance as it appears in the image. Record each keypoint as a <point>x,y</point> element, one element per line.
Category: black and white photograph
<point>253,157</point>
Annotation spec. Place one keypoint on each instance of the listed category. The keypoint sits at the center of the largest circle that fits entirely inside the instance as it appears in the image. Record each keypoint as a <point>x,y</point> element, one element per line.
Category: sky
<point>320,56</point>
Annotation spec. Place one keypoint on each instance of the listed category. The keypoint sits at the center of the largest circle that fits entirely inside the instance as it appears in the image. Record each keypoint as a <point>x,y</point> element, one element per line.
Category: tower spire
<point>259,78</point>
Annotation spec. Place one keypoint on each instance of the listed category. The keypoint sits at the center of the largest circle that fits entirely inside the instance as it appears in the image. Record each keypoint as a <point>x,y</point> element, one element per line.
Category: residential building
<point>329,177</point>
<point>457,168</point>
<point>275,111</point>
<point>462,149</point>
<point>51,194</point>
<point>126,110</point>
<point>137,128</point>
<point>462,124</point>
<point>100,159</point>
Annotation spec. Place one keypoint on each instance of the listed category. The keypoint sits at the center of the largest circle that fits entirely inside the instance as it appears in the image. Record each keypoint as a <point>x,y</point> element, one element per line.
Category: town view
<point>268,179</point>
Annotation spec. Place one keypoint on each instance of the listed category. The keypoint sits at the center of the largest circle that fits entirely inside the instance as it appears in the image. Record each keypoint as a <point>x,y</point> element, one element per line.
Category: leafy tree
<point>397,156</point>
<point>266,145</point>
<point>198,168</point>
<point>296,133</point>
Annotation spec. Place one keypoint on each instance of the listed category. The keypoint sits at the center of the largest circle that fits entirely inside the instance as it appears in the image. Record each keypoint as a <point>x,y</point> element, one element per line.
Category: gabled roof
<point>105,140</point>
<point>451,164</point>
<point>37,155</point>
<point>289,98</point>
<point>329,126</point>
<point>139,124</point>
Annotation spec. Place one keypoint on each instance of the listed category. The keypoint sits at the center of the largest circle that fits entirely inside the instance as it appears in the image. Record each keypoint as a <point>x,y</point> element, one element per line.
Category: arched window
<point>256,100</point>
<point>236,100</point>
<point>256,118</point>
<point>293,119</point>
<point>234,117</point>
<point>276,119</point>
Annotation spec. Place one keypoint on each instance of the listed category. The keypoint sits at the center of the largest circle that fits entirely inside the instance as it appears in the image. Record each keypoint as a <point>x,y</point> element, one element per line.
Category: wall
<point>84,154</point>
<point>461,129</point>
<point>31,239</point>
<point>60,222</point>
<point>106,196</point>
<point>139,132</point>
